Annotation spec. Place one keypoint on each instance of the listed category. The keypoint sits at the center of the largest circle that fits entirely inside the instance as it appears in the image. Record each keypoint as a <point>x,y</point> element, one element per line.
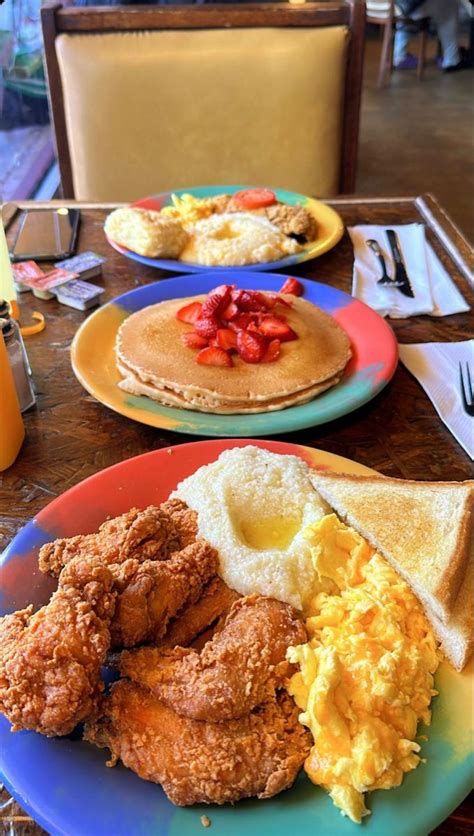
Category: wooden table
<point>71,436</point>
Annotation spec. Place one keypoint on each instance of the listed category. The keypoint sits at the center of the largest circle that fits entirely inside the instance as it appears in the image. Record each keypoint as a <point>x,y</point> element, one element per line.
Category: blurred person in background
<point>444,15</point>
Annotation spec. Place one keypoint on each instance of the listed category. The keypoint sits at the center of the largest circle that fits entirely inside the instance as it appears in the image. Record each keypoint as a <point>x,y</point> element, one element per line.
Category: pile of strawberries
<point>249,323</point>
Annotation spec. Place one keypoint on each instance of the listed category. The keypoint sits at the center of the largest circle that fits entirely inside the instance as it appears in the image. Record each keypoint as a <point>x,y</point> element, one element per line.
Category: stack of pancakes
<point>154,362</point>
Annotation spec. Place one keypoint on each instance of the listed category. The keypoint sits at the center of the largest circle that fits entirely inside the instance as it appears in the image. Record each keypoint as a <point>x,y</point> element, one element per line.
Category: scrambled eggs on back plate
<point>366,673</point>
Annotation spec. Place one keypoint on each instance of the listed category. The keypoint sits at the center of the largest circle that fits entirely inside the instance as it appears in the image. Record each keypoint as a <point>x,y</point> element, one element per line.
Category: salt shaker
<point>5,314</point>
<point>15,351</point>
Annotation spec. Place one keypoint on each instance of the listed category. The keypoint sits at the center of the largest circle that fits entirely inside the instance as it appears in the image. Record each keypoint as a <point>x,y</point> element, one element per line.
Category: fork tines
<point>466,388</point>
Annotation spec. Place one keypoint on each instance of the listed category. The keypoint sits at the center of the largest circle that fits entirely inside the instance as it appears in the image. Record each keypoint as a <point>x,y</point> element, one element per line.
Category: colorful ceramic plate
<point>330,230</point>
<point>375,356</point>
<point>64,783</point>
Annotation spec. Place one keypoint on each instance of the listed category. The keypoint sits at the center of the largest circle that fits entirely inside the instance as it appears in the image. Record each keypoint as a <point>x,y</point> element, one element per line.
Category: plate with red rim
<point>374,360</point>
<point>330,229</point>
<point>64,783</point>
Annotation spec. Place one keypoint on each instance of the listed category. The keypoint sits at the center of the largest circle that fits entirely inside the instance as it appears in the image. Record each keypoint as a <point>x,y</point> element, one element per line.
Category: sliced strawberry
<point>269,299</point>
<point>272,352</point>
<point>275,329</point>
<point>251,347</point>
<point>237,295</point>
<point>226,339</point>
<point>230,312</point>
<point>266,315</point>
<point>223,290</point>
<point>213,356</point>
<point>241,322</point>
<point>249,300</point>
<point>292,286</point>
<point>253,328</point>
<point>217,300</point>
<point>206,326</point>
<point>190,313</point>
<point>193,340</point>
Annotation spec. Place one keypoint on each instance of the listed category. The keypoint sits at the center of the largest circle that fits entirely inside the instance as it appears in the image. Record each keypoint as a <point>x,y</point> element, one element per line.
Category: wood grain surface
<point>71,436</point>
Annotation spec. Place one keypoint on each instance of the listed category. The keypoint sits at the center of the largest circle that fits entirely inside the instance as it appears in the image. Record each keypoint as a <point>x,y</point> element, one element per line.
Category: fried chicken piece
<point>199,642</point>
<point>215,602</point>
<point>242,665</point>
<point>151,534</point>
<point>195,762</point>
<point>183,519</point>
<point>153,592</point>
<point>293,220</point>
<point>50,660</point>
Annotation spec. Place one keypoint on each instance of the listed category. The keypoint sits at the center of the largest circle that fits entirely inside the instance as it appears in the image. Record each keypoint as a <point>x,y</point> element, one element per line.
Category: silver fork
<point>385,278</point>
<point>467,395</point>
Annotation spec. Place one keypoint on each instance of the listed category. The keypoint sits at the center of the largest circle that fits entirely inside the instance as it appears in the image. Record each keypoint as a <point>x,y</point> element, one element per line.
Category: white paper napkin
<point>436,367</point>
<point>435,293</point>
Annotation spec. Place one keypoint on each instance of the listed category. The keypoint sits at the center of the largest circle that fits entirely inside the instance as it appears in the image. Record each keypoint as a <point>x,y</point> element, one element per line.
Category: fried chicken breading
<point>153,592</point>
<point>151,534</point>
<point>215,602</point>
<point>157,565</point>
<point>183,519</point>
<point>50,660</point>
<point>260,754</point>
<point>293,220</point>
<point>242,665</point>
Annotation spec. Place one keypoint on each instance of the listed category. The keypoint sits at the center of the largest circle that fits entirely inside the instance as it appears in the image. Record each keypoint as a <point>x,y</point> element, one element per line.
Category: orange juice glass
<point>12,429</point>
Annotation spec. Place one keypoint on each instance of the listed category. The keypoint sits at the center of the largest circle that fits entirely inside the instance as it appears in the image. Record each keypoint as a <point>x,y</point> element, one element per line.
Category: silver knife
<point>403,282</point>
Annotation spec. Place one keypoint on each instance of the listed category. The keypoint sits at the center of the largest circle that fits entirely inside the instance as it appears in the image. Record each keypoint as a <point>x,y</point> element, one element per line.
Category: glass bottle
<point>5,314</point>
<point>12,430</point>
<point>24,389</point>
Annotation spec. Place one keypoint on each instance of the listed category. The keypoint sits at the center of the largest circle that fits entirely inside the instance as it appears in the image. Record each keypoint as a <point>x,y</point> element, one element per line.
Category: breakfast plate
<point>63,782</point>
<point>374,360</point>
<point>330,229</point>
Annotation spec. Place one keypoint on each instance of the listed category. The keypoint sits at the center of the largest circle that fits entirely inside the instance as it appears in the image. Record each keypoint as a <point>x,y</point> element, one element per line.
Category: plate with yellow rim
<point>374,359</point>
<point>64,783</point>
<point>330,229</point>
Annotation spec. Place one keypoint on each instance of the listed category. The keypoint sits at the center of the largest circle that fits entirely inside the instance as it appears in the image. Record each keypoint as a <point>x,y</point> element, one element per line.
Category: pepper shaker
<point>16,356</point>
<point>5,314</point>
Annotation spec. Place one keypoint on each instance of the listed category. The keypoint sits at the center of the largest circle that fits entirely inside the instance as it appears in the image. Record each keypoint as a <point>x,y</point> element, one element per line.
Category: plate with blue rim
<point>374,359</point>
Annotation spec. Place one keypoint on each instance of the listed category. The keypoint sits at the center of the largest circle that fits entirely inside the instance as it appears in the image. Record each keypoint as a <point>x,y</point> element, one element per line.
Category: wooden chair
<point>150,98</point>
<point>384,13</point>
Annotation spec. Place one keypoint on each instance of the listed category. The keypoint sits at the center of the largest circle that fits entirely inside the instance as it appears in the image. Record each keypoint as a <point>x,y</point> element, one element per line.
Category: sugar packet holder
<point>79,294</point>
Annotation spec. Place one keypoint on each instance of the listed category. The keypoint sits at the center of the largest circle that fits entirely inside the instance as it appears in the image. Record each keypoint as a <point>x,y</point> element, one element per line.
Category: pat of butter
<point>270,532</point>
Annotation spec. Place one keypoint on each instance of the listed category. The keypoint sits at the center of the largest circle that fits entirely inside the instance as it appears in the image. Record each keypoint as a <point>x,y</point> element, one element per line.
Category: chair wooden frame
<point>57,19</point>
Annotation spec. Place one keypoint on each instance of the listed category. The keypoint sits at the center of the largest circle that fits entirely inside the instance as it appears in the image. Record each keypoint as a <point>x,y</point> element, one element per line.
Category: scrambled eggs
<point>366,673</point>
<point>188,209</point>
